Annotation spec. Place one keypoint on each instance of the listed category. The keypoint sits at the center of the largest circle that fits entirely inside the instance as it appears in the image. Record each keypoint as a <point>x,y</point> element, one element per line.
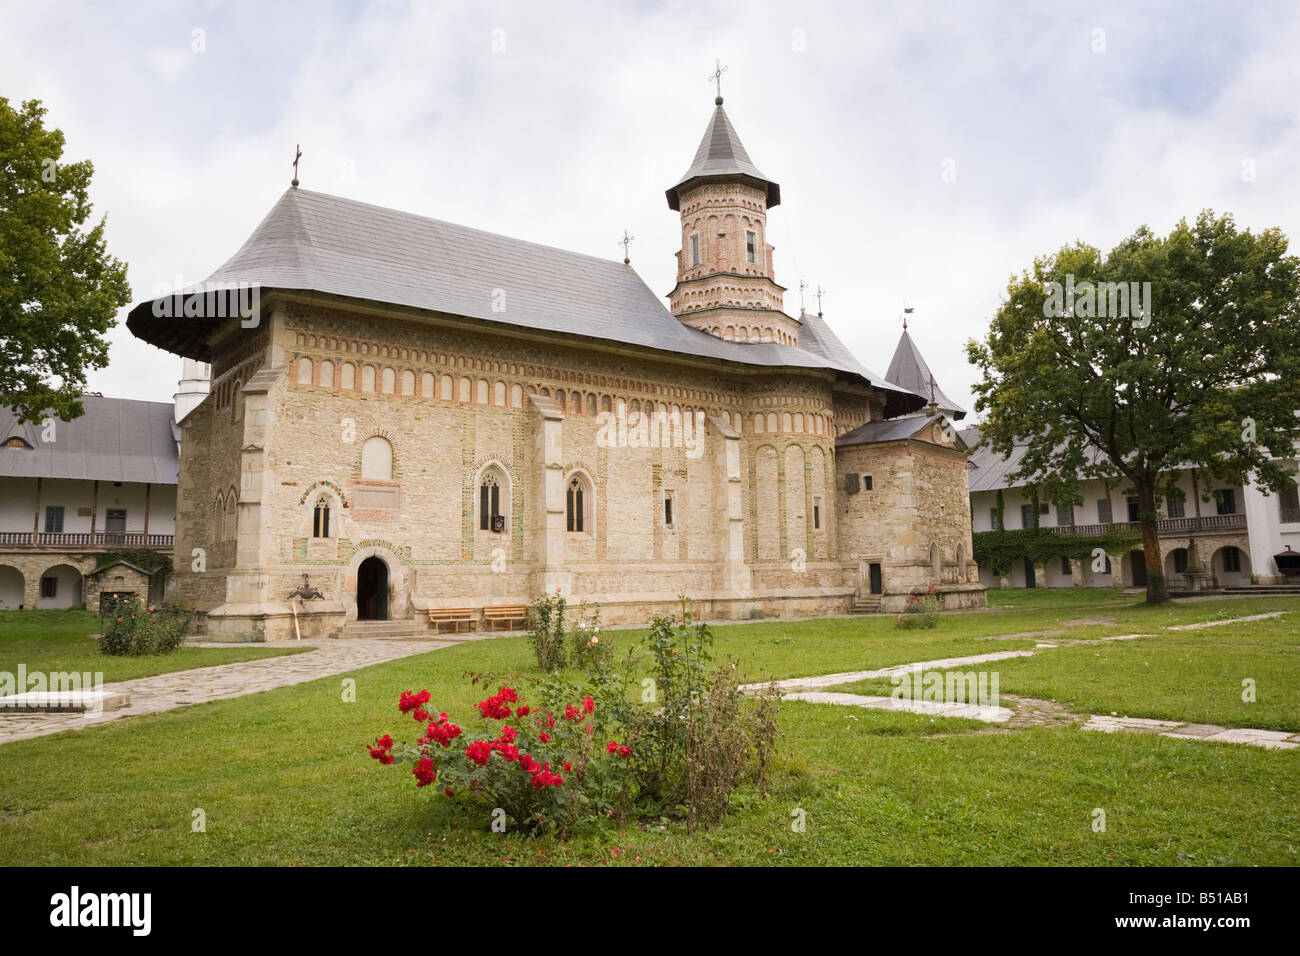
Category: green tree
<point>59,288</point>
<point>1204,371</point>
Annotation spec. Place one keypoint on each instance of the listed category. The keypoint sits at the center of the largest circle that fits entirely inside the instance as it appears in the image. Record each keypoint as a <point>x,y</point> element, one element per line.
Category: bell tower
<point>725,284</point>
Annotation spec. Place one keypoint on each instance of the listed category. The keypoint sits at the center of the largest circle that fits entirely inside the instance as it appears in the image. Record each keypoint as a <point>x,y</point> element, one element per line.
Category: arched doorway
<point>372,590</point>
<point>11,588</point>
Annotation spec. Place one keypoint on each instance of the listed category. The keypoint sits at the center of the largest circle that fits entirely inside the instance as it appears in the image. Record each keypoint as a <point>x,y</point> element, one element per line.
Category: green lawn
<point>284,779</point>
<point>58,641</point>
<point>1194,676</point>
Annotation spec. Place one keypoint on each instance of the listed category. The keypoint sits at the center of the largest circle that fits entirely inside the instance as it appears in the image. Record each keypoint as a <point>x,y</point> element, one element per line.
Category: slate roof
<point>311,241</point>
<point>117,439</point>
<point>891,429</point>
<point>908,369</point>
<point>722,157</point>
<point>989,471</point>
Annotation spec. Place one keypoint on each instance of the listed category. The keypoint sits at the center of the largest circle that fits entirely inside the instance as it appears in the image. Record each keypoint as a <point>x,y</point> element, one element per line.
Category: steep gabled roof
<point>314,242</point>
<point>117,439</point>
<point>722,157</point>
<point>908,369</point>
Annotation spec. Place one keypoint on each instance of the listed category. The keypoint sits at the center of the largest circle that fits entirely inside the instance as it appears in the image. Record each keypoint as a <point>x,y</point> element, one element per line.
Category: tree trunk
<point>1157,592</point>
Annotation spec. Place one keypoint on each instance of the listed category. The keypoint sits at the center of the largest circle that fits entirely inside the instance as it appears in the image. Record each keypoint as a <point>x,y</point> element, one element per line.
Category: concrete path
<point>151,695</point>
<point>1273,739</point>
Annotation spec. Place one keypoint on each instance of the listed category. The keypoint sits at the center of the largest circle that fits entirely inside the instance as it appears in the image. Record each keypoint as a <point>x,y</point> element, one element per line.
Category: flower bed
<point>677,742</point>
<point>132,627</point>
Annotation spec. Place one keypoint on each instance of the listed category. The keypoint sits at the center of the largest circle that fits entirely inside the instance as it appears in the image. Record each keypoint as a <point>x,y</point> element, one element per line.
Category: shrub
<point>586,649</point>
<point>546,631</point>
<point>131,627</point>
<point>920,611</point>
<point>590,750</point>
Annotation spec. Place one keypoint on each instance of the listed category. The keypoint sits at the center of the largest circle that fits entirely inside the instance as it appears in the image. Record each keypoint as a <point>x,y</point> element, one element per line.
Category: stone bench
<point>75,701</point>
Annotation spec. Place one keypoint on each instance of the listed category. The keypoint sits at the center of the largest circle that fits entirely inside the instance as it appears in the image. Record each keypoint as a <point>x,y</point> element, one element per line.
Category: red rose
<point>612,746</point>
<point>424,772</point>
<point>588,705</point>
<point>544,737</point>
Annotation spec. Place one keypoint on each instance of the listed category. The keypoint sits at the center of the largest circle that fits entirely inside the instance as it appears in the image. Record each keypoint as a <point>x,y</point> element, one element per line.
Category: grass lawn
<point>1194,676</point>
<point>58,641</point>
<point>284,779</point>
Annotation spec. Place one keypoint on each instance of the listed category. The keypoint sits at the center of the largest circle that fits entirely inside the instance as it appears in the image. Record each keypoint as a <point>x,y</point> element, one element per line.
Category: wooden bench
<point>508,617</point>
<point>455,616</point>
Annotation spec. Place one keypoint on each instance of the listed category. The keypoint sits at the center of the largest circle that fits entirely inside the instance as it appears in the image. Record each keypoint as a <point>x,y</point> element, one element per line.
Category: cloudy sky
<point>925,151</point>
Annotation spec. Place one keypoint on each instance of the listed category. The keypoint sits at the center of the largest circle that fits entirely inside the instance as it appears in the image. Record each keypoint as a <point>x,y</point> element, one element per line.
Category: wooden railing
<point>1173,526</point>
<point>84,539</point>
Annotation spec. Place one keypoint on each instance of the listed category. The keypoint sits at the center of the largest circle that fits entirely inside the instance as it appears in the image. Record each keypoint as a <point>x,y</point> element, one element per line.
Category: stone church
<point>421,416</point>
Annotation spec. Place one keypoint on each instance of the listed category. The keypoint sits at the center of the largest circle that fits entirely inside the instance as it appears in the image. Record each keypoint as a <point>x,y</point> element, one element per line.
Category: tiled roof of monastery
<point>311,241</point>
<point>722,156</point>
<point>117,439</point>
<point>891,429</point>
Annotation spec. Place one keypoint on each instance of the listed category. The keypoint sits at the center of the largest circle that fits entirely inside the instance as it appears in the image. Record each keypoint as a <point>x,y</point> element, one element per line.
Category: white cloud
<point>572,133</point>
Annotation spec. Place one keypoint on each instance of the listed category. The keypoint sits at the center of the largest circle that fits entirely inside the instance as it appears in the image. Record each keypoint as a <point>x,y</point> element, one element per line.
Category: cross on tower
<point>820,293</point>
<point>716,77</point>
<point>625,242</point>
<point>297,156</point>
<point>802,285</point>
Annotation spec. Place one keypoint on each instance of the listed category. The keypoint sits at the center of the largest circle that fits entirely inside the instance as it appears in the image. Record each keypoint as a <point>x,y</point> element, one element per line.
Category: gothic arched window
<point>489,499</point>
<point>577,502</point>
<point>320,523</point>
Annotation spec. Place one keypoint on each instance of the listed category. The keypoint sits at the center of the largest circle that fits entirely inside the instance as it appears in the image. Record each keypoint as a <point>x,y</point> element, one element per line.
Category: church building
<point>421,416</point>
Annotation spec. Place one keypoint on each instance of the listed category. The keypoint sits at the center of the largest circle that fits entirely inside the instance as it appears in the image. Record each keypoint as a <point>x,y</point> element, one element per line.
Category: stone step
<point>866,605</point>
<point>372,630</point>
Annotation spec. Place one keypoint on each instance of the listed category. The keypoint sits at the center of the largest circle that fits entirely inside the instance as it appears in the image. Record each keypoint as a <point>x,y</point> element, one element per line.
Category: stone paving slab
<point>850,677</point>
<point>1232,620</point>
<point>983,712</point>
<point>1272,739</point>
<point>151,695</point>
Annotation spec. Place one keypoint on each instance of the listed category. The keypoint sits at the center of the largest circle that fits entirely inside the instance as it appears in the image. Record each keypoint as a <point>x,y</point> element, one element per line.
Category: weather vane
<point>716,77</point>
<point>297,156</point>
<point>907,310</point>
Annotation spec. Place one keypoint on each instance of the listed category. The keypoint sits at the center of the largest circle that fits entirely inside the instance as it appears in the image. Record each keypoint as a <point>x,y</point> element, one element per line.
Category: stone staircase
<point>866,604</point>
<point>388,630</point>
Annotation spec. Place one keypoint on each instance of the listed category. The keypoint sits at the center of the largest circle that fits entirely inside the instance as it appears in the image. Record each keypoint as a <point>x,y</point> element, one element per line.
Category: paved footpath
<point>150,695</point>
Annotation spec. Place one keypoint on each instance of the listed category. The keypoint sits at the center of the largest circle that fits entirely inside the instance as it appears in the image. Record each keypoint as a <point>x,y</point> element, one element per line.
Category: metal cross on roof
<point>297,156</point>
<point>625,242</point>
<point>716,76</point>
<point>820,293</point>
<point>802,285</point>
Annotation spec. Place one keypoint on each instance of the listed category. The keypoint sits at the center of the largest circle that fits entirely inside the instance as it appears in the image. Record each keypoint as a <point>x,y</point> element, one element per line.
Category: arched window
<point>320,522</point>
<point>377,459</point>
<point>577,505</point>
<point>489,500</point>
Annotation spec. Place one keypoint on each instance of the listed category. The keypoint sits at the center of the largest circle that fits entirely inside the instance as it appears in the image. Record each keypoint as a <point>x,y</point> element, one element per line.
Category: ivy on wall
<point>998,549</point>
<point>146,559</point>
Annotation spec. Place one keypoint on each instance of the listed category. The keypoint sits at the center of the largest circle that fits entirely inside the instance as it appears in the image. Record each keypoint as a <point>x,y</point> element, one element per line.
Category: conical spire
<point>722,157</point>
<point>908,369</point>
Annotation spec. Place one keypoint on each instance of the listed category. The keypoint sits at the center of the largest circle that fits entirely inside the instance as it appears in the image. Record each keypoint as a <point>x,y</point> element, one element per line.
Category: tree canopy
<point>1166,353</point>
<point>59,288</point>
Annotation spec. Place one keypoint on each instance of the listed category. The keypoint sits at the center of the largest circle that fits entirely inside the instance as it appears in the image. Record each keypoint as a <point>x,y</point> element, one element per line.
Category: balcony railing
<point>1171,526</point>
<point>84,539</point>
